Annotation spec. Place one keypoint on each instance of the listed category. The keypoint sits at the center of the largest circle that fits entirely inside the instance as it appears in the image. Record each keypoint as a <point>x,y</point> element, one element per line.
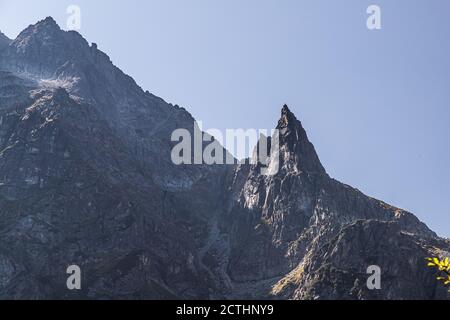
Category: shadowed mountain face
<point>4,41</point>
<point>86,178</point>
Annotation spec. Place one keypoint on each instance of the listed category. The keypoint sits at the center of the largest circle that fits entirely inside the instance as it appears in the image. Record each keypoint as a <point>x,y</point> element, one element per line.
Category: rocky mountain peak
<point>48,22</point>
<point>296,151</point>
<point>44,28</point>
<point>43,50</point>
<point>287,118</point>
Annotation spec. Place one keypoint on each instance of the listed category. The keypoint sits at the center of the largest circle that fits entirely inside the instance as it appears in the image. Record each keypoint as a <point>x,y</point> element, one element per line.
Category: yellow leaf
<point>446,262</point>
<point>431,264</point>
<point>436,261</point>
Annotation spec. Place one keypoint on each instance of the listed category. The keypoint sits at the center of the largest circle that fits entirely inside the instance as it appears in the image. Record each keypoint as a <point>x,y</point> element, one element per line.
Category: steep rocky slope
<point>86,178</point>
<point>4,41</point>
<point>302,235</point>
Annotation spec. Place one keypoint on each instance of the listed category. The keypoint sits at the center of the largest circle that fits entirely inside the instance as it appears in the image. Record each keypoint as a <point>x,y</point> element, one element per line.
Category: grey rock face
<point>4,41</point>
<point>302,235</point>
<point>86,178</point>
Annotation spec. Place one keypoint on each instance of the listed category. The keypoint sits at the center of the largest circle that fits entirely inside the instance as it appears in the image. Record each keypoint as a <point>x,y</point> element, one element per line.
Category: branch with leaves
<point>443,266</point>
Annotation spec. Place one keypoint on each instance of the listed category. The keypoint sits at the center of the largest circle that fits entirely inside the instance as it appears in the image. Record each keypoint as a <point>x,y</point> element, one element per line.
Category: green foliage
<point>443,266</point>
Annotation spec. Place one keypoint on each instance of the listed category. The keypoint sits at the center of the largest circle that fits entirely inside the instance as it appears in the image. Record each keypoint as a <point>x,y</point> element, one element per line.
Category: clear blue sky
<point>374,103</point>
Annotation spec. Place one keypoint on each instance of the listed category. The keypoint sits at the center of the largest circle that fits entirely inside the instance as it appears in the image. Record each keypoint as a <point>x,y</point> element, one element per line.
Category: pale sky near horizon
<point>374,103</point>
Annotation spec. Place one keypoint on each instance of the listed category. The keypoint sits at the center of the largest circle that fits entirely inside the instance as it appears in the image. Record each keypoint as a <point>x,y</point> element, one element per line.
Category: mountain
<point>86,178</point>
<point>312,237</point>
